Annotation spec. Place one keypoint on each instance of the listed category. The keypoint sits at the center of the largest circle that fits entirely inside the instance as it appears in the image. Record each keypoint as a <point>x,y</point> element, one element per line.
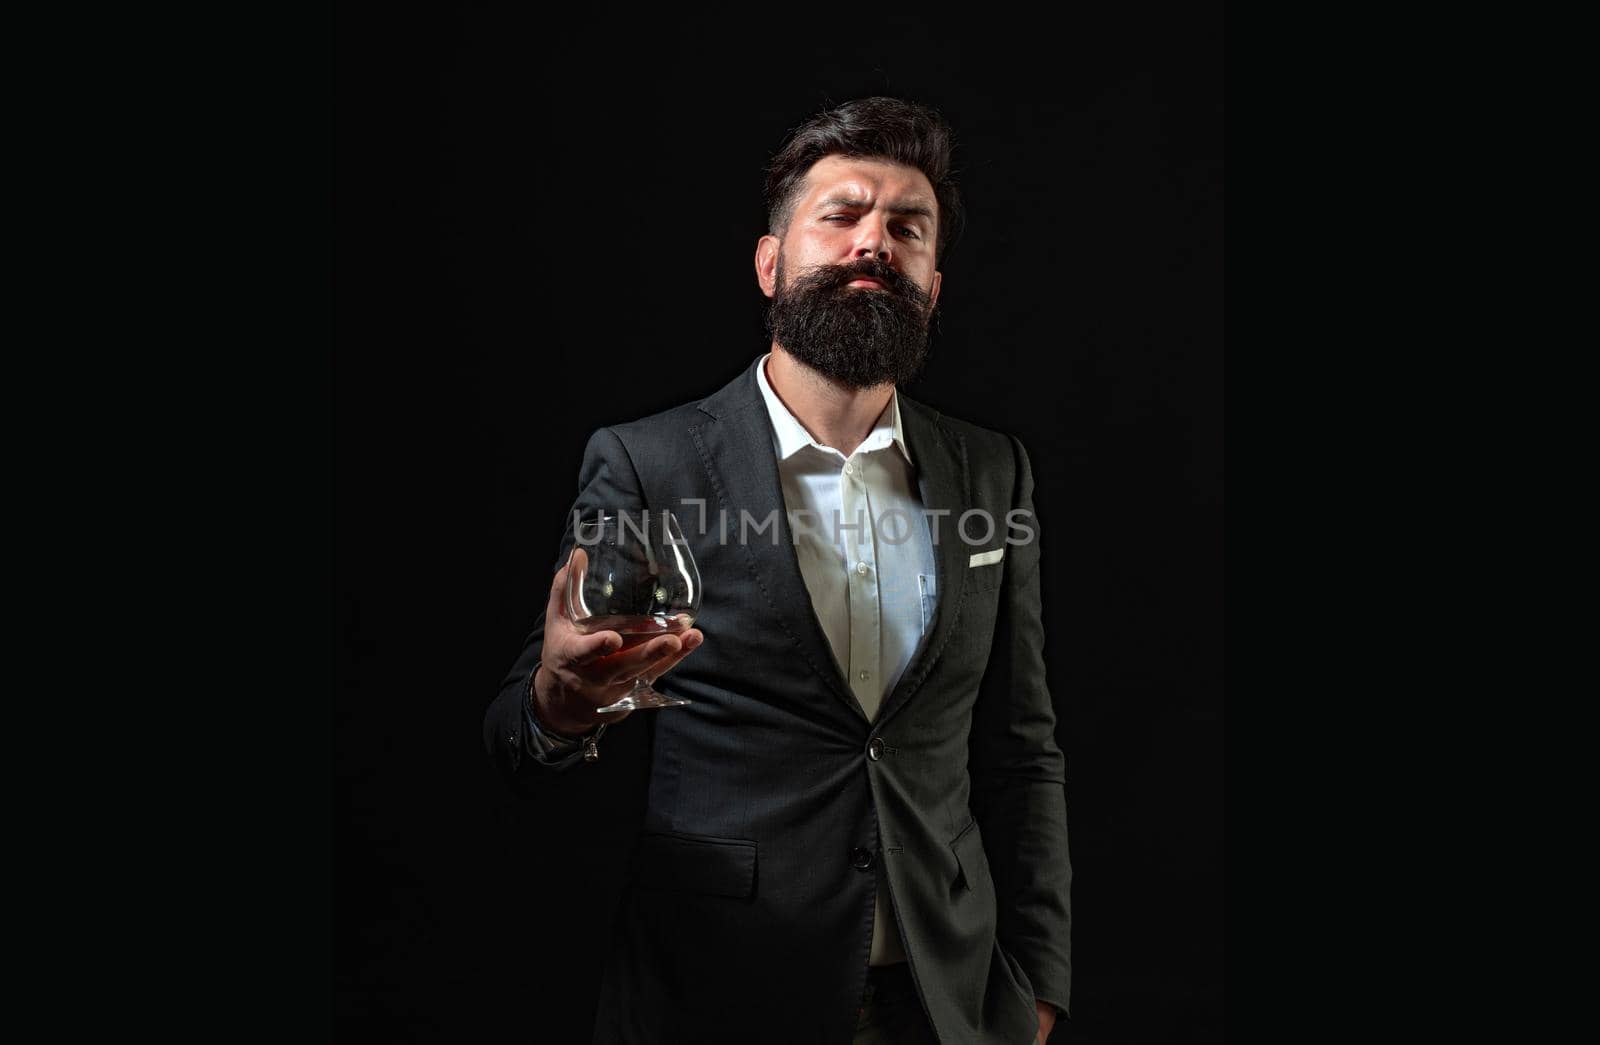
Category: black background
<point>543,226</point>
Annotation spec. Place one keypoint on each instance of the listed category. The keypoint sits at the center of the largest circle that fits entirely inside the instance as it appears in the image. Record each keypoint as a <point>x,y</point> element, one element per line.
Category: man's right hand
<point>579,672</point>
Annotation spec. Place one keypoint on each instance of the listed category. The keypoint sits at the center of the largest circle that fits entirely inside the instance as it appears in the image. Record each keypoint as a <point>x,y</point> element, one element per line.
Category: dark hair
<point>876,129</point>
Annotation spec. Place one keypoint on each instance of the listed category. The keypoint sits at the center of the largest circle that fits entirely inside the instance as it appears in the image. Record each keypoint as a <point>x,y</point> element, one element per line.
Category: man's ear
<point>933,291</point>
<point>767,264</point>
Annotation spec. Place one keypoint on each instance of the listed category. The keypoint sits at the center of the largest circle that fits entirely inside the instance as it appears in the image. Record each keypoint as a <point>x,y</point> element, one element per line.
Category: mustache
<point>837,277</point>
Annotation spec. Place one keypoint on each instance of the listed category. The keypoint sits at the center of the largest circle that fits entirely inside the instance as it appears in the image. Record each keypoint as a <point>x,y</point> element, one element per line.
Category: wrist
<point>554,710</point>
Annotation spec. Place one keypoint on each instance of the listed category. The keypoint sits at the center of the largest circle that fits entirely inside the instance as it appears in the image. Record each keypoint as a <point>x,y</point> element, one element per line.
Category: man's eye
<point>908,230</point>
<point>837,217</point>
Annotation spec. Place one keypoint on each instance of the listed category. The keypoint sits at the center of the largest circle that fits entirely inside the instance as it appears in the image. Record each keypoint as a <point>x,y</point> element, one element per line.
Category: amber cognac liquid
<point>637,630</point>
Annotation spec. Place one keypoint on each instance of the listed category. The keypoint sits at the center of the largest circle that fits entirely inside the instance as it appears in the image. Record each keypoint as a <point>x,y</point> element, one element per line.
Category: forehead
<point>881,181</point>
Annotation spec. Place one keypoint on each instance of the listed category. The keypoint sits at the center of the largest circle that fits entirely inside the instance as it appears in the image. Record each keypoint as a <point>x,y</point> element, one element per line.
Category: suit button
<point>875,749</point>
<point>860,859</point>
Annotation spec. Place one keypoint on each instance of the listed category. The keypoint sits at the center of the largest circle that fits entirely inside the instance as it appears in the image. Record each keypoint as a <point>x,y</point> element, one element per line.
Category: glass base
<point>641,698</point>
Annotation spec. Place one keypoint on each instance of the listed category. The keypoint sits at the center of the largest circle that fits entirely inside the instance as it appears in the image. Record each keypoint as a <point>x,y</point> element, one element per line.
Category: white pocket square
<point>985,558</point>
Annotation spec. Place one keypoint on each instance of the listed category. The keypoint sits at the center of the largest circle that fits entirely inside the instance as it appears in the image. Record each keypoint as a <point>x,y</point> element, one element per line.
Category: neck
<point>835,415</point>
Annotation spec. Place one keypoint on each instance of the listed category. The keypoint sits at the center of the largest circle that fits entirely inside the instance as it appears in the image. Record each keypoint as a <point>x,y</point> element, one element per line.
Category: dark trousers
<point>891,1013</point>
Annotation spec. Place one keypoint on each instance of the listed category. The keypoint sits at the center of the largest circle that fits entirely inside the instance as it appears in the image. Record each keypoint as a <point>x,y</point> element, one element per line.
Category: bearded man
<point>855,830</point>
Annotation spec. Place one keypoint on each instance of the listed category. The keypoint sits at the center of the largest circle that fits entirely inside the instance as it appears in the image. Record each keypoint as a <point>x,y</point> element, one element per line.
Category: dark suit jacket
<point>749,917</point>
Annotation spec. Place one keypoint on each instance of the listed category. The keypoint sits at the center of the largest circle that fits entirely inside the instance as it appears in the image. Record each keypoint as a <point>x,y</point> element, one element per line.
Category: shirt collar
<point>792,436</point>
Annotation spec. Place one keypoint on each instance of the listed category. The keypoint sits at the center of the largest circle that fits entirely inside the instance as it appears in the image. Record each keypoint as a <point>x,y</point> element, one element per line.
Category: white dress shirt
<point>862,543</point>
<point>867,559</point>
<point>865,554</point>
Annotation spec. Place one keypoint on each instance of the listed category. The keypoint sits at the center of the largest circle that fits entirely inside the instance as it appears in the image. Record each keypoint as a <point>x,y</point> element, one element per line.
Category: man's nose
<point>873,241</point>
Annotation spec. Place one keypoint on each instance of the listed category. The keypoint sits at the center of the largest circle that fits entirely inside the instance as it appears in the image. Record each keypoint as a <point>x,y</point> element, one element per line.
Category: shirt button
<point>860,859</point>
<point>861,568</point>
<point>865,675</point>
<point>849,469</point>
<point>875,749</point>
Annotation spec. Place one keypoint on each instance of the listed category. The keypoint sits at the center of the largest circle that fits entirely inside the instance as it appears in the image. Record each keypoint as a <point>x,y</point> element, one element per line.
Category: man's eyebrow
<point>915,206</point>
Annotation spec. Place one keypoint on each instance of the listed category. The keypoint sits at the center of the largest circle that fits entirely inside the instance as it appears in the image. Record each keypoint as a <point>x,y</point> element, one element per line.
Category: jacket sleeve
<point>1018,772</point>
<point>607,482</point>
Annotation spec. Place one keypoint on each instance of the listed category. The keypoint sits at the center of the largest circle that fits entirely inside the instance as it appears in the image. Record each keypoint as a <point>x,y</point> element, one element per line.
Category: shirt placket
<point>861,559</point>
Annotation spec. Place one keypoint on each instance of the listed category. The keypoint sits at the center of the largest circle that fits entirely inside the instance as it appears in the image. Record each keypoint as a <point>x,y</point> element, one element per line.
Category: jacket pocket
<point>986,570</point>
<point>972,860</point>
<point>696,864</point>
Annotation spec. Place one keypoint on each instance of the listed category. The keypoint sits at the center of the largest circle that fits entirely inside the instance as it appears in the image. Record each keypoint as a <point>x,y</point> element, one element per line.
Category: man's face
<point>852,281</point>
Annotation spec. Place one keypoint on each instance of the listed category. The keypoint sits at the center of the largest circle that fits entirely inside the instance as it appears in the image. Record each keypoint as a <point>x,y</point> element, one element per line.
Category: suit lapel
<point>940,456</point>
<point>735,446</point>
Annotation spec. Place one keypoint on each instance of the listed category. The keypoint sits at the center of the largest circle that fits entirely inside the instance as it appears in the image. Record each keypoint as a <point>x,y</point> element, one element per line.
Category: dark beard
<point>857,336</point>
